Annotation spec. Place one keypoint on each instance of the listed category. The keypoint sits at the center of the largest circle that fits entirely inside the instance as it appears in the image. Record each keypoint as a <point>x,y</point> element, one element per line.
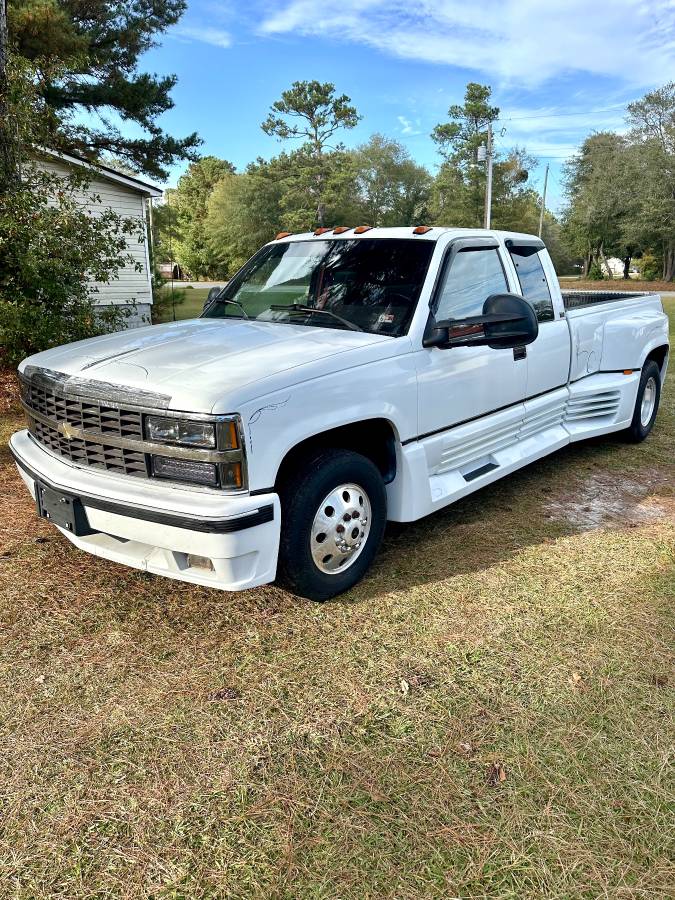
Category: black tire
<point>638,430</point>
<point>302,493</point>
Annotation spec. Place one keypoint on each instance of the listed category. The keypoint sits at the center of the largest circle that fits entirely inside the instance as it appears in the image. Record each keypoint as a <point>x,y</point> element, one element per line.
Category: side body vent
<point>593,406</point>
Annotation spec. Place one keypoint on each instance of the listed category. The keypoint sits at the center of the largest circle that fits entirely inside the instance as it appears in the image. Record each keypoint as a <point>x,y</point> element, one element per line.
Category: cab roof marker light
<point>319,231</point>
<point>362,229</point>
<point>283,234</point>
<point>422,229</point>
<point>341,229</point>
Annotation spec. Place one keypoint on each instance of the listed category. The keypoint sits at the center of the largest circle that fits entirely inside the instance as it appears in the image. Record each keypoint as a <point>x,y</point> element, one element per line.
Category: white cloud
<point>204,34</point>
<point>521,41</point>
<point>407,126</point>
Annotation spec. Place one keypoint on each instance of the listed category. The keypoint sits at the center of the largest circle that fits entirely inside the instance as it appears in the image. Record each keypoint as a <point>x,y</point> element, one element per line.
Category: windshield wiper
<point>298,307</point>
<point>233,303</point>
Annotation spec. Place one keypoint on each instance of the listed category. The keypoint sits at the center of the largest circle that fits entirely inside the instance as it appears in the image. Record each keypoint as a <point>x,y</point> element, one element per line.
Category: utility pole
<point>487,219</point>
<point>543,202</point>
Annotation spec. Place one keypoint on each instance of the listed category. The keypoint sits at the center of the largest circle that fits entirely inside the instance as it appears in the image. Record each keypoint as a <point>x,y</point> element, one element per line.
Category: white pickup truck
<point>342,378</point>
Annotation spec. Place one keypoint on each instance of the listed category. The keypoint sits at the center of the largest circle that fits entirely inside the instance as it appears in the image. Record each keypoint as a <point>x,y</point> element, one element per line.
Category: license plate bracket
<point>62,509</point>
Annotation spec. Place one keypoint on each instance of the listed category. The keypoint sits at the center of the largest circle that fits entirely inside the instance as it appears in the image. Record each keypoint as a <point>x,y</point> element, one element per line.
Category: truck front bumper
<point>224,541</point>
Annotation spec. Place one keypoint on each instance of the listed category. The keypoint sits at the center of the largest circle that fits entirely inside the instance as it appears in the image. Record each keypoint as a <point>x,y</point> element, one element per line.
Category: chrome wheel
<point>340,528</point>
<point>648,402</point>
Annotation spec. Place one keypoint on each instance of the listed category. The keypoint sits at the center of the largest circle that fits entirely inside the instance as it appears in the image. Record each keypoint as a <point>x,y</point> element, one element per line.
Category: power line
<point>554,115</point>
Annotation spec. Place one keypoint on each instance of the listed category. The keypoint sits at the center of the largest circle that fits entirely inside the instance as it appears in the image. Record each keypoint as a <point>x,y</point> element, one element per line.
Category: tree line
<point>621,192</point>
<point>619,188</point>
<point>60,59</point>
<point>217,217</point>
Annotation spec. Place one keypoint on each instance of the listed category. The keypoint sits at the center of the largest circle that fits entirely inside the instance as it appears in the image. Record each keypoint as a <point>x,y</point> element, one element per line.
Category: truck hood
<point>199,363</point>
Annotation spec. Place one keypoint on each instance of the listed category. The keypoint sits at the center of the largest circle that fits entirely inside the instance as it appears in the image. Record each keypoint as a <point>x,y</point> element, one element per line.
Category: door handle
<point>519,352</point>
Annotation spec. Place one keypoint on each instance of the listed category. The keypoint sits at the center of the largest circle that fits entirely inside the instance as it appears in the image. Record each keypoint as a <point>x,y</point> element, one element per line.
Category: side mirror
<point>211,296</point>
<point>508,320</point>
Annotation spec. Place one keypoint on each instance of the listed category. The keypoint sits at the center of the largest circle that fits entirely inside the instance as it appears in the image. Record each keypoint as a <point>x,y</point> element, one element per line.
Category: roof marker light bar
<point>422,229</point>
<point>319,231</point>
<point>341,229</point>
<point>362,229</point>
<point>283,234</point>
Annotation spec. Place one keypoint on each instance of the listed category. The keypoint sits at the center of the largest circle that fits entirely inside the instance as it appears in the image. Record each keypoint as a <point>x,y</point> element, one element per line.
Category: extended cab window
<point>468,281</point>
<point>371,284</point>
<point>533,283</point>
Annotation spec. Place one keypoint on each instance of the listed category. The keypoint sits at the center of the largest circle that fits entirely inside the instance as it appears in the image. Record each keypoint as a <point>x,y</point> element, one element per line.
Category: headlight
<point>211,453</point>
<point>185,470</point>
<point>180,431</point>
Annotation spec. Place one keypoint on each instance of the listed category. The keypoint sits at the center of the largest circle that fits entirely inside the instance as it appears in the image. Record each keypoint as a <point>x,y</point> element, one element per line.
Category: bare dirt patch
<point>613,499</point>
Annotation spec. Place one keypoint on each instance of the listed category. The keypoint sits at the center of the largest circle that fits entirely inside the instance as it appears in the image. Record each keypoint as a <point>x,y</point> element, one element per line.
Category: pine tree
<point>87,53</point>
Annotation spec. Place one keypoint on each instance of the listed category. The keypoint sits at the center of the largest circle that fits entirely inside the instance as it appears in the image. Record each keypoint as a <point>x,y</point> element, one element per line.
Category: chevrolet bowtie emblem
<point>67,430</point>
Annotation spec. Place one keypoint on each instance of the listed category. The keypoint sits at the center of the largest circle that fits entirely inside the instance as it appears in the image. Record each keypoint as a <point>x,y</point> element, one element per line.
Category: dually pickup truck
<point>341,379</point>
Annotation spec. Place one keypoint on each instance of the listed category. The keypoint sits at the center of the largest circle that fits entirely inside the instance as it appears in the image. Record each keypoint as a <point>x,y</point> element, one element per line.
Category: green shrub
<point>650,267</point>
<point>51,249</point>
<point>595,272</point>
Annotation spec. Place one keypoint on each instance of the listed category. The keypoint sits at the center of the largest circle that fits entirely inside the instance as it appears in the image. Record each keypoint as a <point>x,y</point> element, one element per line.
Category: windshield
<point>369,285</point>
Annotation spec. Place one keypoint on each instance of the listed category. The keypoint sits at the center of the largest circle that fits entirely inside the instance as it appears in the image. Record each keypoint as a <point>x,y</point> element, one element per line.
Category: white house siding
<point>130,288</point>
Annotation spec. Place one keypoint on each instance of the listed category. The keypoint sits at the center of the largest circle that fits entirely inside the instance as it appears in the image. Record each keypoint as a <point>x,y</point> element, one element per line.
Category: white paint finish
<point>464,382</point>
<point>219,365</point>
<point>287,417</point>
<point>242,559</point>
<point>601,404</point>
<point>291,382</point>
<point>616,336</point>
<point>630,336</point>
<point>548,358</point>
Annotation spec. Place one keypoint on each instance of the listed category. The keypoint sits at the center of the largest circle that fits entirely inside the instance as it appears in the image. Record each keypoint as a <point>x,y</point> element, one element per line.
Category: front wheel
<point>333,514</point>
<point>646,403</point>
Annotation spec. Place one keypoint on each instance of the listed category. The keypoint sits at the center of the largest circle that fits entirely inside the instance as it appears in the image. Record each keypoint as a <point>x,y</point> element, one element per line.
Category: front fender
<point>278,422</point>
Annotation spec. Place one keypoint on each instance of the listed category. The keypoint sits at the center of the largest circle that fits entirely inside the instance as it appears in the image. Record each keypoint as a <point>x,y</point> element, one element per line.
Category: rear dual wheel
<point>333,515</point>
<point>646,403</point>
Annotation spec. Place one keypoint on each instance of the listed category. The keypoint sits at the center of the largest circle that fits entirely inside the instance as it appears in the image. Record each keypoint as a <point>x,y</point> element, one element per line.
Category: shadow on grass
<point>469,536</point>
<point>503,518</point>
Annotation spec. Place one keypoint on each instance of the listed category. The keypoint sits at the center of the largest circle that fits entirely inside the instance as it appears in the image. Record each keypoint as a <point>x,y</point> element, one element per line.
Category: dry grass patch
<point>616,284</point>
<point>490,713</point>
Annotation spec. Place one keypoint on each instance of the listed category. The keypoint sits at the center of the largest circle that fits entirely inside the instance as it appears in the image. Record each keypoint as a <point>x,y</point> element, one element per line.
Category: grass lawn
<point>488,714</point>
<point>189,308</point>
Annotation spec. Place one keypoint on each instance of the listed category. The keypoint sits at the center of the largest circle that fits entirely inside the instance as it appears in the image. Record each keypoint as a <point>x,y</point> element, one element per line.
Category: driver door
<point>463,384</point>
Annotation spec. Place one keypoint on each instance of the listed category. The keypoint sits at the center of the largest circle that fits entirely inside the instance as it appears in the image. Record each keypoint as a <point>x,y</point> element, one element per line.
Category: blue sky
<point>558,70</point>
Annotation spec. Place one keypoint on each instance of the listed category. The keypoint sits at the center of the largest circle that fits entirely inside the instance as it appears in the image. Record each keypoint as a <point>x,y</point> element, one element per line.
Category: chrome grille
<point>90,453</point>
<point>47,399</point>
<point>87,414</point>
<point>101,425</point>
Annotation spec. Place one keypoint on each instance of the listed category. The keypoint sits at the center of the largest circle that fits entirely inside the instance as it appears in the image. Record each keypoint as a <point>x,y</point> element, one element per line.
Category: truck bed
<point>580,299</point>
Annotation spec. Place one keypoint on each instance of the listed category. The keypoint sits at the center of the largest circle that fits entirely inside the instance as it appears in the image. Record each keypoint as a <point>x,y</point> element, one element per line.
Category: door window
<point>533,283</point>
<point>472,276</point>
